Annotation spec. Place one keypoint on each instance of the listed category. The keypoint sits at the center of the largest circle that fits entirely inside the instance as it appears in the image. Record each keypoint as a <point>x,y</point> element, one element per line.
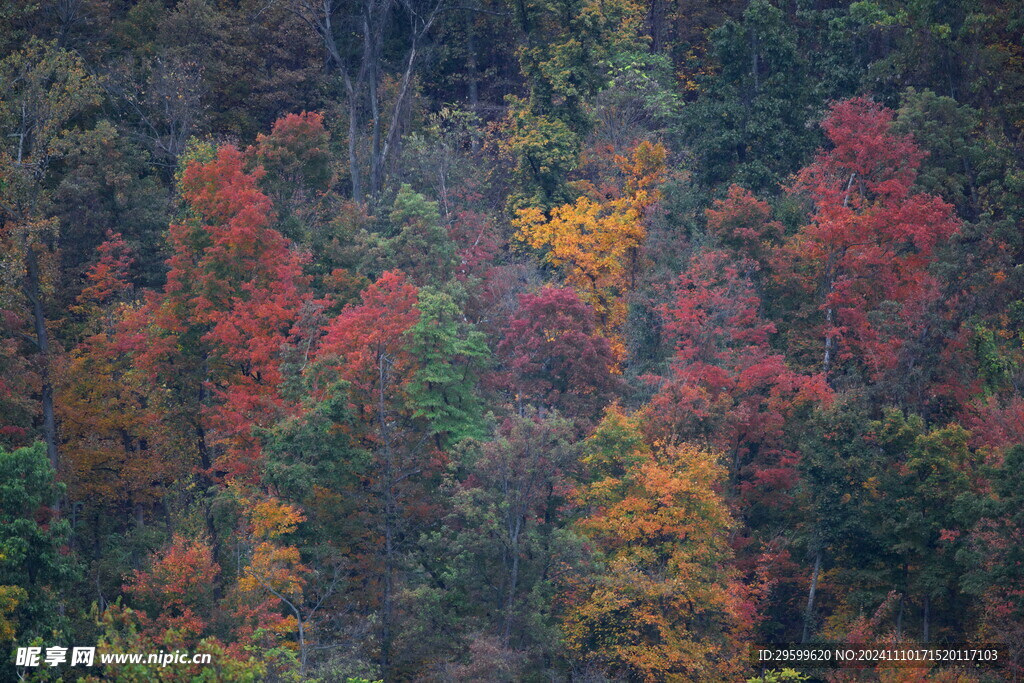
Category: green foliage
<point>420,246</point>
<point>887,496</point>
<point>750,124</point>
<point>639,100</point>
<point>834,468</point>
<point>110,185</point>
<point>957,152</point>
<point>14,21</point>
<point>543,151</point>
<point>570,44</point>
<point>33,542</point>
<point>452,354</point>
<point>48,88</point>
<point>457,516</point>
<point>314,460</point>
<point>993,559</point>
<point>316,449</point>
<point>119,634</point>
<point>196,151</point>
<point>996,367</point>
<point>503,536</point>
<point>934,474</point>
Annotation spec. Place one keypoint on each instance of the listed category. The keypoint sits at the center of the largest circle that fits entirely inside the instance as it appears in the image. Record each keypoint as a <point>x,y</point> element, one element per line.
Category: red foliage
<point>366,335</point>
<point>246,283</point>
<point>870,241</point>
<point>234,284</point>
<point>555,356</point>
<point>108,276</point>
<point>19,382</point>
<point>478,242</point>
<point>994,424</point>
<point>296,154</point>
<point>727,386</point>
<point>743,224</point>
<point>177,591</point>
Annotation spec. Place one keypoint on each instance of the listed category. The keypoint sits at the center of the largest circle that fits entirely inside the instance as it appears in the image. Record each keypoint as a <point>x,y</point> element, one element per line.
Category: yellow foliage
<point>275,565</point>
<point>10,598</point>
<point>596,244</point>
<point>271,518</point>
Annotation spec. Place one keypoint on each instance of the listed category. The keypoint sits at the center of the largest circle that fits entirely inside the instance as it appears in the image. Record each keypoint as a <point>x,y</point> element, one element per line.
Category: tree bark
<point>373,19</point>
<point>899,619</point>
<point>33,291</point>
<point>473,85</point>
<point>390,513</point>
<point>513,579</point>
<point>809,613</point>
<point>925,634</point>
<point>206,479</point>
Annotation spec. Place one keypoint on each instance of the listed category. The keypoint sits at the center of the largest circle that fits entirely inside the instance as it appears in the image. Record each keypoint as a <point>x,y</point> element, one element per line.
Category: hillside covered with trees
<point>509,340</point>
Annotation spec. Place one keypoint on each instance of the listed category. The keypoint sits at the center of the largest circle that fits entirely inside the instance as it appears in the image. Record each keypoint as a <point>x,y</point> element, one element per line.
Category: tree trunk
<point>899,619</point>
<point>656,25</point>
<point>371,55</point>
<point>755,67</point>
<point>386,621</point>
<point>391,143</point>
<point>320,20</point>
<point>33,291</point>
<point>303,650</point>
<point>353,131</point>
<point>809,613</point>
<point>513,579</point>
<point>390,511</point>
<point>829,342</point>
<point>830,283</point>
<point>925,634</point>
<point>374,18</point>
<point>206,479</point>
<point>472,84</point>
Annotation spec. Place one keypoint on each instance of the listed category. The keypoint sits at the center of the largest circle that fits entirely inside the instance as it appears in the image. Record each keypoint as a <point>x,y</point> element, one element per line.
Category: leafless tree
<point>353,33</point>
<point>163,103</point>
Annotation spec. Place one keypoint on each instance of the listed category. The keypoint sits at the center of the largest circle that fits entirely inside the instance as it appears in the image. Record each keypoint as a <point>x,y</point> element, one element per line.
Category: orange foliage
<point>275,568</point>
<point>177,591</point>
<point>116,449</point>
<point>666,604</point>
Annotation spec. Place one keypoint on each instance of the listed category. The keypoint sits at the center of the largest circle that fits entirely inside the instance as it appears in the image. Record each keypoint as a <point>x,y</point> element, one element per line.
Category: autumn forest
<point>510,340</point>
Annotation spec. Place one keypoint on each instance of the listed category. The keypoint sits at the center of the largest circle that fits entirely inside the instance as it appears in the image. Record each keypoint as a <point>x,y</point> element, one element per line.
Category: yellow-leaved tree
<point>275,568</point>
<point>596,242</point>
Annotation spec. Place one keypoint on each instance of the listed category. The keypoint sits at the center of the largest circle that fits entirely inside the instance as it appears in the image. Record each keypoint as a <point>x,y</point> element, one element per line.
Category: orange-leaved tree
<point>367,346</point>
<point>665,603</point>
<point>274,579</point>
<point>116,451</point>
<point>176,593</point>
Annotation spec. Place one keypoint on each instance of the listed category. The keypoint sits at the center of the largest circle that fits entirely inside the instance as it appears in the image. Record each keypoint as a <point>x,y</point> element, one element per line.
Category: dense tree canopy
<point>576,340</point>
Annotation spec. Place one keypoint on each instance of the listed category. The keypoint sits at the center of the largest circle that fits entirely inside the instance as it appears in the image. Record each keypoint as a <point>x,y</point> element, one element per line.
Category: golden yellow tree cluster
<point>595,243</point>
